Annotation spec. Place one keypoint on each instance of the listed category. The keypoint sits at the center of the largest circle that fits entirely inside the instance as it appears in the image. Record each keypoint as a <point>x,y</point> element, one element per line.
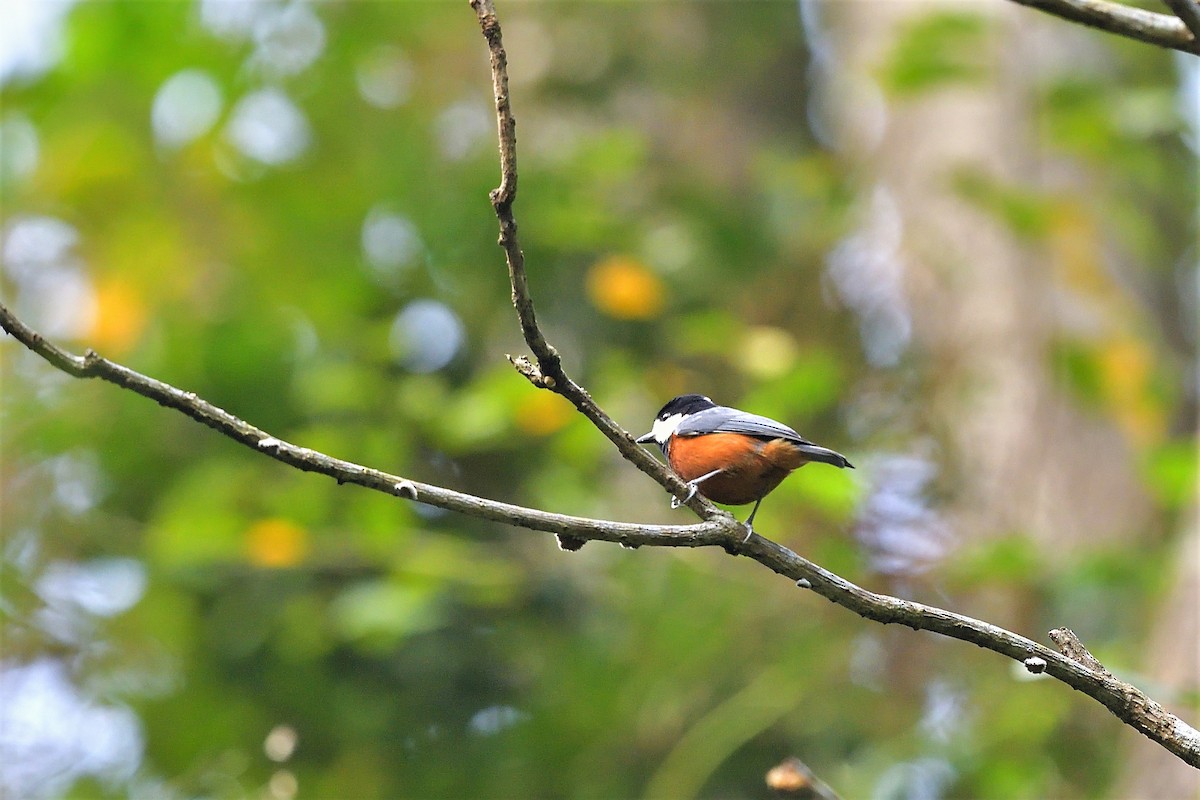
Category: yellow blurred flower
<point>276,543</point>
<point>120,317</point>
<point>1127,372</point>
<point>541,413</point>
<point>625,288</point>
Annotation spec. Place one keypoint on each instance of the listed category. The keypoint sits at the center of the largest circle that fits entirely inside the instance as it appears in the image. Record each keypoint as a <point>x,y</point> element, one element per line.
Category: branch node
<point>804,583</point>
<point>269,444</point>
<point>405,488</point>
<point>1188,12</point>
<point>1070,646</point>
<point>527,368</point>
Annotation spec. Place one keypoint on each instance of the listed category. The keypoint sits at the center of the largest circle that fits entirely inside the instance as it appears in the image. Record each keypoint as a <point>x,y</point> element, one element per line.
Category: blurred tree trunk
<point>1018,455</point>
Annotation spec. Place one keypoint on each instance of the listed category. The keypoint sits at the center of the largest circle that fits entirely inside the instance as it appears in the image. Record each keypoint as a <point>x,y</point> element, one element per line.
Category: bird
<point>731,457</point>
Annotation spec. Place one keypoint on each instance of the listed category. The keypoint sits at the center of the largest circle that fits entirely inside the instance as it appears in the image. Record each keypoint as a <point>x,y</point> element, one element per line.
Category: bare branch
<point>1189,12</point>
<point>1125,701</point>
<point>1163,30</point>
<point>92,365</point>
<point>1156,723</point>
<point>548,372</point>
<point>1088,676</point>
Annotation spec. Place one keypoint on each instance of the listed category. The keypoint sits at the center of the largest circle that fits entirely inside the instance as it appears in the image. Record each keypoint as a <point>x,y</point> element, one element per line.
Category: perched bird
<point>730,456</point>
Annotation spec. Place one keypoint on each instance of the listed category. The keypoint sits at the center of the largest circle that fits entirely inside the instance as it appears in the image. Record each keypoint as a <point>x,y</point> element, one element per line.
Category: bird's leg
<point>749,523</point>
<point>692,486</point>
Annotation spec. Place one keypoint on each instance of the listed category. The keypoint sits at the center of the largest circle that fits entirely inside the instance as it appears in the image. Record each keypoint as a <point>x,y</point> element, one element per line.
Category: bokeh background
<point>955,241</point>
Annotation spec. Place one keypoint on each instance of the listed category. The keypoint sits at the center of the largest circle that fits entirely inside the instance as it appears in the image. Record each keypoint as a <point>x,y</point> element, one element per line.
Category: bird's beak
<point>645,438</point>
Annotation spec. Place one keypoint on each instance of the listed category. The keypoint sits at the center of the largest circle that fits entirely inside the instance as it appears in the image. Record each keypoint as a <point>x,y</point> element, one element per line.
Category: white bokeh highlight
<point>268,127</point>
<point>426,336</point>
<point>185,108</point>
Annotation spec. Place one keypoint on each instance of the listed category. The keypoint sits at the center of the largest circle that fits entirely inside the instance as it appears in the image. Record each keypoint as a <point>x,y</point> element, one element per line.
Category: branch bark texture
<point>718,528</point>
<point>1164,30</point>
<point>1189,12</point>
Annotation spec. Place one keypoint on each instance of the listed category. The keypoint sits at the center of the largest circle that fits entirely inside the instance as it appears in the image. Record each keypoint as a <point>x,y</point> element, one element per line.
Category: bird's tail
<point>814,452</point>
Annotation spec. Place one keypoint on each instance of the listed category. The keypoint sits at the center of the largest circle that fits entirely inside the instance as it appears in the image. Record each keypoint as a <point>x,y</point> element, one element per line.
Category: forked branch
<point>1085,674</point>
<point>1165,30</point>
<point>548,373</point>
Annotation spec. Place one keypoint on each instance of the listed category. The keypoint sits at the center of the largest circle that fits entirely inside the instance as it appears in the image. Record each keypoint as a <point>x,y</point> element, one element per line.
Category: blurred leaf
<point>807,199</point>
<point>1026,213</point>
<point>1080,370</point>
<point>325,387</point>
<point>813,383</point>
<point>1007,560</point>
<point>376,615</point>
<point>1171,473</point>
<point>938,49</point>
<point>709,331</point>
<point>834,493</point>
<point>482,413</point>
<point>199,519</point>
<point>487,579</point>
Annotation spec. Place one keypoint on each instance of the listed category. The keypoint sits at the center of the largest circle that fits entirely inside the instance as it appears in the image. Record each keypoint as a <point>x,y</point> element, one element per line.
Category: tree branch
<point>1163,30</point>
<point>92,365</point>
<point>1128,703</point>
<point>548,372</point>
<point>1189,12</point>
<point>1124,700</point>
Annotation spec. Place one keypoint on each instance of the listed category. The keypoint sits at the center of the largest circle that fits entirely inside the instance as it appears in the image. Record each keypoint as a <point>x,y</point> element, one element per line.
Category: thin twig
<point>1189,12</point>
<point>549,373</point>
<point>1164,30</point>
<point>1126,702</point>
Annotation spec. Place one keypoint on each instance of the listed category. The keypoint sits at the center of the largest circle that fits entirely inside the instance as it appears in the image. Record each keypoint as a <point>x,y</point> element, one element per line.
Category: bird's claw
<point>676,502</point>
<point>749,532</point>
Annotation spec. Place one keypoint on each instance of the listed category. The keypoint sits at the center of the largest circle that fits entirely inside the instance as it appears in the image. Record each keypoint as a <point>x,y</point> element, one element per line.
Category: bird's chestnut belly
<point>750,467</point>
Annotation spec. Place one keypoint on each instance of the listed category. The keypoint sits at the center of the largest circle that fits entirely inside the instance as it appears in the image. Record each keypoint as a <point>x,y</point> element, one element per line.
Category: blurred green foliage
<point>676,213</point>
<point>938,48</point>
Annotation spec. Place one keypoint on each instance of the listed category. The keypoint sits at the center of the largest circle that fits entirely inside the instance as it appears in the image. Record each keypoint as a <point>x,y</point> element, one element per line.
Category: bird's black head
<point>672,413</point>
<point>684,404</point>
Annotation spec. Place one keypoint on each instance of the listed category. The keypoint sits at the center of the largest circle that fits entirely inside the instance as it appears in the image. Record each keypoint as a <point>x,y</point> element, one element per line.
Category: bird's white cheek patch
<point>663,428</point>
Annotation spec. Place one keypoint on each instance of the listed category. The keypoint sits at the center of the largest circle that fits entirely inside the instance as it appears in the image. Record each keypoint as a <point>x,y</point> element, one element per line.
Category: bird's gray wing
<point>722,419</point>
